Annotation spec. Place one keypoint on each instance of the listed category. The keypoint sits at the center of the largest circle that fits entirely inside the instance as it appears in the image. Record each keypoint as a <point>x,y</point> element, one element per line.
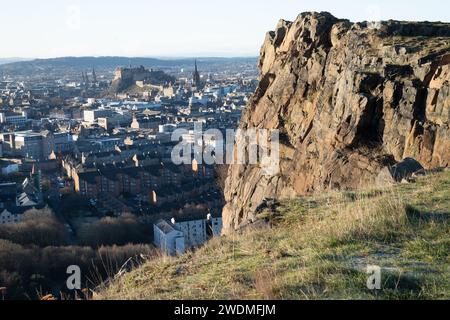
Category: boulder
<point>400,172</point>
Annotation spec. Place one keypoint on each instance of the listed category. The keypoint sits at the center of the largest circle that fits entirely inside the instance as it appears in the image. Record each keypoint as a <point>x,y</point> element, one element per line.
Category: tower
<point>196,77</point>
<point>36,179</point>
<point>94,76</point>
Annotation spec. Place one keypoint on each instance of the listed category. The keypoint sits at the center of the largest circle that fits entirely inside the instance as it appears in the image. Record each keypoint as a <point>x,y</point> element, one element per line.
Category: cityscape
<point>95,144</point>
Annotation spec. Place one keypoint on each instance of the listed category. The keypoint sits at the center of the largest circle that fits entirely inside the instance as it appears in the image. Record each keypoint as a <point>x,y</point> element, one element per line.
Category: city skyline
<point>176,29</point>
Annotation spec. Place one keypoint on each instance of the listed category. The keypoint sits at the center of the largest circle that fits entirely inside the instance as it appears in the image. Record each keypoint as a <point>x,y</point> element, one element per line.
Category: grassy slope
<point>317,248</point>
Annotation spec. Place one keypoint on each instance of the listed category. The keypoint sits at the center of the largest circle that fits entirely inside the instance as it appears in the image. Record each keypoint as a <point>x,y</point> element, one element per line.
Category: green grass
<point>317,247</point>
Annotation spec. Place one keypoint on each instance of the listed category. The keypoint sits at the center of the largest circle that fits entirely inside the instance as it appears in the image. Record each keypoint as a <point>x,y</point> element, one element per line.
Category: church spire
<point>196,76</point>
<point>94,76</point>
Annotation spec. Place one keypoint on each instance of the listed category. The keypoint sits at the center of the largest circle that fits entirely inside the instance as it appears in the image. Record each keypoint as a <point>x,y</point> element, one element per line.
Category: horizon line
<point>160,57</point>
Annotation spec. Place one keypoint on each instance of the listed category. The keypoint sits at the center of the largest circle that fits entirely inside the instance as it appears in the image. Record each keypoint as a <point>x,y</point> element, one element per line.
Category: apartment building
<point>13,118</point>
<point>92,116</point>
<point>168,239</point>
<point>174,238</point>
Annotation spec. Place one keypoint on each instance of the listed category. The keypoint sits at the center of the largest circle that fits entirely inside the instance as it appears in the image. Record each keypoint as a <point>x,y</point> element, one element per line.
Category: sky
<point>174,28</point>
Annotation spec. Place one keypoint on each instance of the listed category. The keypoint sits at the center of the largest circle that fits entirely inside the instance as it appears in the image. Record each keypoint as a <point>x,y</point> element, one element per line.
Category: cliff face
<point>349,100</point>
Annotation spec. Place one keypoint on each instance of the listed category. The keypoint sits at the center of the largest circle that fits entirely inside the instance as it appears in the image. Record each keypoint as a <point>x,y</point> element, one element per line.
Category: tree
<point>38,227</point>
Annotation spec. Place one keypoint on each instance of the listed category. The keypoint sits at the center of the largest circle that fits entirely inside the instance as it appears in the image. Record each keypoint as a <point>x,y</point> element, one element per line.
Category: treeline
<point>35,253</point>
<point>114,231</point>
<point>30,271</point>
<point>38,227</point>
<point>41,228</point>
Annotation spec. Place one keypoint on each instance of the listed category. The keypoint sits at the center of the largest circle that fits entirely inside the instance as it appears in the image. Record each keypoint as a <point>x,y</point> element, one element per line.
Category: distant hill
<point>78,64</point>
<point>11,60</point>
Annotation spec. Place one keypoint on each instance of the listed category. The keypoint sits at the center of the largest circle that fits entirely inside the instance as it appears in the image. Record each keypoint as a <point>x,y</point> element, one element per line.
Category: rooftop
<point>165,226</point>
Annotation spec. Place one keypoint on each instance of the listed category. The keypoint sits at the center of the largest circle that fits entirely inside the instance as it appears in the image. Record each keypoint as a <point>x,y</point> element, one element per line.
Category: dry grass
<point>360,220</point>
<point>265,285</point>
<point>317,248</point>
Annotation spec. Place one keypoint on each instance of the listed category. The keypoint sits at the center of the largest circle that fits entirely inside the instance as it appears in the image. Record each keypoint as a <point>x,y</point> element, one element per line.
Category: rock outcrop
<point>349,99</point>
<point>125,78</point>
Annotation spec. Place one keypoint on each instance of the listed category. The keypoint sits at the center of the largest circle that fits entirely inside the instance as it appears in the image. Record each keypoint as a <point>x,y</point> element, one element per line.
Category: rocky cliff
<point>125,78</point>
<point>349,99</point>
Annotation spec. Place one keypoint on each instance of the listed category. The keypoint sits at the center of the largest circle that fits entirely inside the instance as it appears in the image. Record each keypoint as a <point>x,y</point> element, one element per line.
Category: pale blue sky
<point>54,28</point>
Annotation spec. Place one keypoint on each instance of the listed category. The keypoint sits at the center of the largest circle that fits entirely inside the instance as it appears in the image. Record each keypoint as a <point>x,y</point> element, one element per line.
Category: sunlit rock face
<point>349,99</point>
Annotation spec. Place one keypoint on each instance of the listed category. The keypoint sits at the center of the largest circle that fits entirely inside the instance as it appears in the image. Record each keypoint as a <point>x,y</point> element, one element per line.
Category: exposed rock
<point>349,101</point>
<point>400,172</point>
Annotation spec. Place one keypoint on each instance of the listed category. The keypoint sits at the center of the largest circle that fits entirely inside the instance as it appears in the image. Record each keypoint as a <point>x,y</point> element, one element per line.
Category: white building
<point>174,238</point>
<point>29,144</point>
<point>167,238</point>
<point>138,105</point>
<point>10,169</point>
<point>194,232</point>
<point>216,226</point>
<point>13,118</point>
<point>91,116</point>
<point>167,128</point>
<point>7,217</point>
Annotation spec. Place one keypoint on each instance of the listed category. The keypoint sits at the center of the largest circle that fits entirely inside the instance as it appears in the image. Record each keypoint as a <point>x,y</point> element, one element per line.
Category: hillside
<point>11,60</point>
<point>317,247</point>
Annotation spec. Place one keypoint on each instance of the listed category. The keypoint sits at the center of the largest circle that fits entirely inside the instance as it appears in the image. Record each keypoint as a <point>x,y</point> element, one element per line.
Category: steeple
<point>196,76</point>
<point>94,76</point>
